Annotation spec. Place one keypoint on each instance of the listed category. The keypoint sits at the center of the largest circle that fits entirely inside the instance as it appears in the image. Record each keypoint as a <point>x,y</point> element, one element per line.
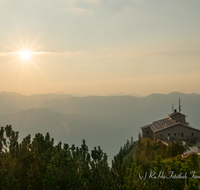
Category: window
<point>182,135</point>
<point>174,134</point>
<point>192,134</point>
<point>168,134</point>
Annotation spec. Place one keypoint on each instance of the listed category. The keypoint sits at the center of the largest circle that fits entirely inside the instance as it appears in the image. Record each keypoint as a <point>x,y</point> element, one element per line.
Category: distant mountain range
<point>125,94</point>
<point>102,120</point>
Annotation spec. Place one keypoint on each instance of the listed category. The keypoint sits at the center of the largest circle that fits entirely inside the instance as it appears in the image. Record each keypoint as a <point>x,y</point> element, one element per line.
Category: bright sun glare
<point>25,54</point>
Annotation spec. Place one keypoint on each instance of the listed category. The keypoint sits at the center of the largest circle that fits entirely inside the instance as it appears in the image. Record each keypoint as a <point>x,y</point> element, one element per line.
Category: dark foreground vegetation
<point>39,164</point>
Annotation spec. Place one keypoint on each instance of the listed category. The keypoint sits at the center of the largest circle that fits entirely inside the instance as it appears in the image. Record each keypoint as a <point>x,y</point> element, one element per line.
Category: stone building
<point>173,127</point>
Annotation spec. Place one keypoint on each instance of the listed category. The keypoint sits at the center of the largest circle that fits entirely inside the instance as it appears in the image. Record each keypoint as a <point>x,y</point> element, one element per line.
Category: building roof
<point>165,123</point>
<point>146,126</point>
<point>175,113</point>
<point>162,124</point>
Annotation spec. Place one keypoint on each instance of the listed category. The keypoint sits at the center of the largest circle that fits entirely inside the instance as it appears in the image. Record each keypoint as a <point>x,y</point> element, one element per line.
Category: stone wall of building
<point>179,117</point>
<point>147,132</point>
<point>177,132</point>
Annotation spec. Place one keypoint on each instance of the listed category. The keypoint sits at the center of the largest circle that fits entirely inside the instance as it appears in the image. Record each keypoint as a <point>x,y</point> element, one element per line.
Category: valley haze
<point>106,121</point>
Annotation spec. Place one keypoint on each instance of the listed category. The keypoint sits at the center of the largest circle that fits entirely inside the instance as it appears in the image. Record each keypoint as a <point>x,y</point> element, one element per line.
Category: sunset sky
<point>100,47</point>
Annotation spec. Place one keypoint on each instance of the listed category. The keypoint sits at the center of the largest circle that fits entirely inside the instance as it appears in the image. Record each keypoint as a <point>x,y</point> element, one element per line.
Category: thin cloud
<point>129,54</point>
<point>81,10</point>
<point>79,1</point>
<point>93,1</point>
<point>78,9</point>
<point>66,53</point>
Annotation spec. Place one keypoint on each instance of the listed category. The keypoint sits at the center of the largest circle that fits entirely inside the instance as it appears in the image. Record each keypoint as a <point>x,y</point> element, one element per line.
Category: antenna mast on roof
<point>173,107</point>
<point>179,105</point>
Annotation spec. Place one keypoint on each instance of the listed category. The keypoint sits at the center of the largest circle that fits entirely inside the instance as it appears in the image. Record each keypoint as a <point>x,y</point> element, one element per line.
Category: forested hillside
<point>39,164</point>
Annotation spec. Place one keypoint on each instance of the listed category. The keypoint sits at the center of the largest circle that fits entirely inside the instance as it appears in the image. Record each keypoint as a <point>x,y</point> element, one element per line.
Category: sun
<point>25,55</point>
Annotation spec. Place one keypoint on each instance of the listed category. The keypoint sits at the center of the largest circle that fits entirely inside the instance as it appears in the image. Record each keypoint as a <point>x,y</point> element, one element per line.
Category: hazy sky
<point>100,46</point>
